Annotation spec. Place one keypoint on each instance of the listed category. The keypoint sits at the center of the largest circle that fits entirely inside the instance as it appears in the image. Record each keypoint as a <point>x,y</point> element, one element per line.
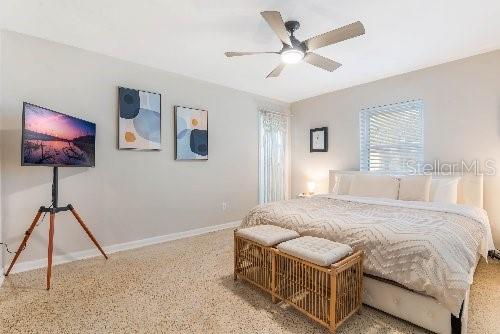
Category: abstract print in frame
<point>139,119</point>
<point>191,132</point>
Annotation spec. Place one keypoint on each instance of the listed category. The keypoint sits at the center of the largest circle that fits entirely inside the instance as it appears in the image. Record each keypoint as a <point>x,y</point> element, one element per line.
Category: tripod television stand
<point>52,210</point>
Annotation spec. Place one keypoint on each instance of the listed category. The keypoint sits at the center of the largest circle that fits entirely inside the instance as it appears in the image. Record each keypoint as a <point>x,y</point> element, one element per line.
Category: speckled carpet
<point>186,286</point>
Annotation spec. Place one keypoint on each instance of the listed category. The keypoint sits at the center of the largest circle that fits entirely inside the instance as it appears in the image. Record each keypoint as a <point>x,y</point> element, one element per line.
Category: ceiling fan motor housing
<point>296,45</point>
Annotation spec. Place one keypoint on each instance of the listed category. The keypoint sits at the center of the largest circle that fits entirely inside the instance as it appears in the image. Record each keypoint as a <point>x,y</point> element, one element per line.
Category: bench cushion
<point>319,251</point>
<point>267,235</point>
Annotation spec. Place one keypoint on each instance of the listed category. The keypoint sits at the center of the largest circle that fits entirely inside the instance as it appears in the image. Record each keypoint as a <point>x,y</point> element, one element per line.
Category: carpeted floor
<point>186,286</point>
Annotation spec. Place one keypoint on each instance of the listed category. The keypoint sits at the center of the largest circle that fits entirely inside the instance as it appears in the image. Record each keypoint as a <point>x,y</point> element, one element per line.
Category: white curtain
<point>274,157</point>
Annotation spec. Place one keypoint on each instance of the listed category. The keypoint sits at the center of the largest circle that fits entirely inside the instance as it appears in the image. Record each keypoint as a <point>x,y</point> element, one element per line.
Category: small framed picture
<point>319,140</point>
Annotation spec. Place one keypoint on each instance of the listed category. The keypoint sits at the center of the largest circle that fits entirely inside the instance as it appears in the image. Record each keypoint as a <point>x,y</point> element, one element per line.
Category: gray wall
<point>129,195</point>
<point>462,121</point>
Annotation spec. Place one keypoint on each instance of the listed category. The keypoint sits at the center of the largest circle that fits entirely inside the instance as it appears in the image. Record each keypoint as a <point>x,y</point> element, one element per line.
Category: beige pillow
<point>342,184</point>
<point>444,190</point>
<point>381,186</point>
<point>415,188</point>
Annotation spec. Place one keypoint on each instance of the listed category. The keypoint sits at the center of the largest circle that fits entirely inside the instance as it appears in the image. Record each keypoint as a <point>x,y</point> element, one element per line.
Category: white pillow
<point>444,190</point>
<point>415,188</point>
<point>381,186</point>
<point>342,184</point>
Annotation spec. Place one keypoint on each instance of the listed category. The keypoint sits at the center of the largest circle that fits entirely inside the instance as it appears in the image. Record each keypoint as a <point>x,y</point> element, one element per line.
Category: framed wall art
<point>318,140</point>
<point>191,134</point>
<point>139,123</point>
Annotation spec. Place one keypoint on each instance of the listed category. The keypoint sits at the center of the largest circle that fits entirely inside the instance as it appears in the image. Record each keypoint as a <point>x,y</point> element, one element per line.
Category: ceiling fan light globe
<point>292,56</point>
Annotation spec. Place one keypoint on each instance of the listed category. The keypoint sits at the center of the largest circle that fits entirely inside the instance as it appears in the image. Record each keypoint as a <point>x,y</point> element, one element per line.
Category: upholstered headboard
<point>470,186</point>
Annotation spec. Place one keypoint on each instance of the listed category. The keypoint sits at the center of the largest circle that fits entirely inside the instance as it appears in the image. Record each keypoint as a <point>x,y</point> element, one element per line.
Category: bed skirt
<point>419,309</point>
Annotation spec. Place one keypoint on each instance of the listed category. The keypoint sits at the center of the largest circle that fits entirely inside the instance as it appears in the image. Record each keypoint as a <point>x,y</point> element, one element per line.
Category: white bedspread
<point>427,247</point>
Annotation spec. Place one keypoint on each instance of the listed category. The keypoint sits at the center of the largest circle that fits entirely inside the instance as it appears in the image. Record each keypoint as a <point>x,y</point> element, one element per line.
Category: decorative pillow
<point>415,188</point>
<point>382,186</point>
<point>444,190</point>
<point>342,184</point>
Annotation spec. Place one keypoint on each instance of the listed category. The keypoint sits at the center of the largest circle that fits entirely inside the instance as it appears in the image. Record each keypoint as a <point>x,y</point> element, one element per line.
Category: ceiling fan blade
<point>276,72</point>
<point>273,18</point>
<point>338,35</point>
<point>321,62</point>
<point>237,54</point>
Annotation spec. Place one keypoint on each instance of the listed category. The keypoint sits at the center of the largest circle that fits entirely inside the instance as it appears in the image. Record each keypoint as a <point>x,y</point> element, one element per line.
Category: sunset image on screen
<point>51,138</point>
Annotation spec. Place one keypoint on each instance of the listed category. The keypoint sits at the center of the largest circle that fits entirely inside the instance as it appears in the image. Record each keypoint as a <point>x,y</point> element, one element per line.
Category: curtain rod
<point>274,113</point>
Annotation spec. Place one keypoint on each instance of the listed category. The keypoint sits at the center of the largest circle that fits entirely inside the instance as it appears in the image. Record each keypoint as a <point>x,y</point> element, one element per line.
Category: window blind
<point>392,137</point>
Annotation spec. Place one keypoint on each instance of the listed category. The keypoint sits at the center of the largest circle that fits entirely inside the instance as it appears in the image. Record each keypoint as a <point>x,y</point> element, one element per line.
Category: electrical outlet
<point>225,206</point>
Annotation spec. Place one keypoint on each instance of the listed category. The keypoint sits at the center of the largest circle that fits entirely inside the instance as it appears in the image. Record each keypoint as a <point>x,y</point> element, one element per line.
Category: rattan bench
<point>306,284</point>
<point>254,253</point>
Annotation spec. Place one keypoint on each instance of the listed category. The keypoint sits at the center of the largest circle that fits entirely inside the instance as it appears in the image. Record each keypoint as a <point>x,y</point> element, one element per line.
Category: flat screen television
<point>50,138</point>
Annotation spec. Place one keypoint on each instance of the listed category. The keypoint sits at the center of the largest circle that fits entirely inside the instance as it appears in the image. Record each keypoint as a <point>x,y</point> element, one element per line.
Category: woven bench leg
<point>333,299</point>
<point>273,278</point>
<point>235,257</point>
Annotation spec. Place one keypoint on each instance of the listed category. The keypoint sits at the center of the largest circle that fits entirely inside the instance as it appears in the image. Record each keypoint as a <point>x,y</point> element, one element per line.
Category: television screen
<point>53,139</point>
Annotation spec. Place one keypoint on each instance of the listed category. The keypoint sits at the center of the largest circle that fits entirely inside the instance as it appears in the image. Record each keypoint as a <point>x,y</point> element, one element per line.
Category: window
<point>273,157</point>
<point>392,137</point>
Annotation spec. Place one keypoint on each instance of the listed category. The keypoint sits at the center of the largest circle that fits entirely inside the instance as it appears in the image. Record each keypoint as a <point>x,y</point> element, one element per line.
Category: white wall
<point>462,121</point>
<point>128,195</point>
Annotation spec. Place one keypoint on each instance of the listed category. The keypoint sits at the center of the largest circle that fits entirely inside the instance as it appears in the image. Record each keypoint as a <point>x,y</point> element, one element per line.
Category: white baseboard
<point>88,253</point>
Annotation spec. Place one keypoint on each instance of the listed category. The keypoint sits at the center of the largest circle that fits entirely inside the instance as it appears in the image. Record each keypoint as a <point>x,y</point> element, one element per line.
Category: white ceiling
<point>190,36</point>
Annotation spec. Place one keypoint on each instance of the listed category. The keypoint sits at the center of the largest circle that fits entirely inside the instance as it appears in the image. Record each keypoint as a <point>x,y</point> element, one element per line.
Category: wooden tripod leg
<point>25,240</point>
<point>51,247</point>
<point>73,211</point>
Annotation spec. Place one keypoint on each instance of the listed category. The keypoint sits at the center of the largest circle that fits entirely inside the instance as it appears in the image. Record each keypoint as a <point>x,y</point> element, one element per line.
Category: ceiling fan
<point>294,51</point>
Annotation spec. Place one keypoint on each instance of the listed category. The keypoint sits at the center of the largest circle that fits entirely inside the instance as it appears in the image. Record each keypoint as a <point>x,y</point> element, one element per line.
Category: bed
<point>420,257</point>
